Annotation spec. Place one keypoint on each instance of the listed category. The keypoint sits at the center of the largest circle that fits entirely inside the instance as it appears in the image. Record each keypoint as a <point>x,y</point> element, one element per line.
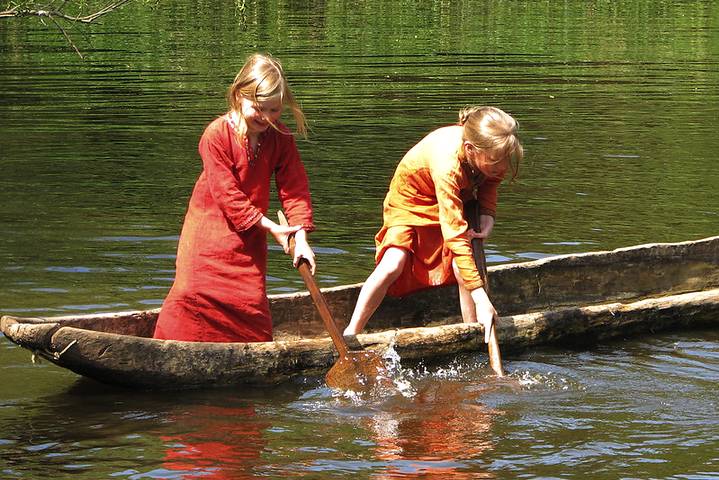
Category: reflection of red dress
<point>219,294</point>
<point>215,443</point>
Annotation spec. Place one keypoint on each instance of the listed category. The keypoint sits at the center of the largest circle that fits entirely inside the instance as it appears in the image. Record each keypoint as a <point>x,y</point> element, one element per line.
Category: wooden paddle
<point>354,370</point>
<point>471,211</point>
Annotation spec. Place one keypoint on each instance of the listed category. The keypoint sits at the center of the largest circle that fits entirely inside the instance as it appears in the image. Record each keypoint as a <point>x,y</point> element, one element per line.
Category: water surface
<point>618,105</point>
<point>644,408</point>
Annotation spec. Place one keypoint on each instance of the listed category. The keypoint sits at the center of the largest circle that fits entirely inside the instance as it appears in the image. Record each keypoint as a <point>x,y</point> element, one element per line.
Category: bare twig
<point>67,37</point>
<point>58,13</point>
<point>30,8</point>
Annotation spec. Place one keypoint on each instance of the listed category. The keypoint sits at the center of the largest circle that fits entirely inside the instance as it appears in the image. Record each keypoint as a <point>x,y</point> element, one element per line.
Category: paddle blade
<point>358,371</point>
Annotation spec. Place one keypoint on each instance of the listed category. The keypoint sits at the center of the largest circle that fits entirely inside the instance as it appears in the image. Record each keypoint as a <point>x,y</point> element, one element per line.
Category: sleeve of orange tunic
<point>293,186</point>
<point>452,222</point>
<point>215,148</point>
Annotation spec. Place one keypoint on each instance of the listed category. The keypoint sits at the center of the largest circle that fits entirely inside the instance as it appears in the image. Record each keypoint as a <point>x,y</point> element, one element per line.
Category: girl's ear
<point>470,150</point>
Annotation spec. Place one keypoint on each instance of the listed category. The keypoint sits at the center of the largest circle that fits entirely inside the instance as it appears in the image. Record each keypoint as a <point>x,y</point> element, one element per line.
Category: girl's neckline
<point>252,153</point>
<point>233,119</point>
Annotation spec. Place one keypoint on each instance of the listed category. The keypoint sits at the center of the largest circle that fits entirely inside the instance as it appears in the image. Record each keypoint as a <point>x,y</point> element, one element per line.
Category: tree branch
<point>58,13</point>
<point>67,37</point>
<point>30,8</point>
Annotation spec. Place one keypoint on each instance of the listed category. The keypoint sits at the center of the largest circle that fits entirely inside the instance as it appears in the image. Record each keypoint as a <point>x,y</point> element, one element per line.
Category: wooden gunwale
<point>564,299</point>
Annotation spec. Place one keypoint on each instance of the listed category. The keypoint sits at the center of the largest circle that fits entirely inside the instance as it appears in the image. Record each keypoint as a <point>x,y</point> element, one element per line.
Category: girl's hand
<point>485,310</point>
<point>303,250</point>
<point>279,232</point>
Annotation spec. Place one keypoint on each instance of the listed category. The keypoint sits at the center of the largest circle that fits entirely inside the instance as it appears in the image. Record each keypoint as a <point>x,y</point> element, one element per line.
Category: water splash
<point>398,375</point>
<point>551,380</point>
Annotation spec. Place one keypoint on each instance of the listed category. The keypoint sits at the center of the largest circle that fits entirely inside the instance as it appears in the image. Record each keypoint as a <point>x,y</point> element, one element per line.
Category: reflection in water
<point>443,431</point>
<point>644,408</point>
<point>618,107</point>
<point>214,442</point>
<point>122,434</point>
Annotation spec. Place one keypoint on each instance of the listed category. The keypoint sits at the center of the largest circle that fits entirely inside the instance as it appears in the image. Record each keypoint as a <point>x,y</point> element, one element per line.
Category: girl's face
<point>486,161</point>
<point>260,115</point>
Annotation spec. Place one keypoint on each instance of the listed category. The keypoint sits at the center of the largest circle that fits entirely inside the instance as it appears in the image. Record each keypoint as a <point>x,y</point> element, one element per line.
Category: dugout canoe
<point>562,300</point>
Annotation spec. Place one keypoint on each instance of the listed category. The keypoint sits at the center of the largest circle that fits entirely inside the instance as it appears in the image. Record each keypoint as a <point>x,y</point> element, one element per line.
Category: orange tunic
<point>423,213</point>
<point>219,293</point>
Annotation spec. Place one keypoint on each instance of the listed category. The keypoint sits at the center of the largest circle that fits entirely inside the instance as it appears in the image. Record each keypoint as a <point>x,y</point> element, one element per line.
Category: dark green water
<point>618,103</point>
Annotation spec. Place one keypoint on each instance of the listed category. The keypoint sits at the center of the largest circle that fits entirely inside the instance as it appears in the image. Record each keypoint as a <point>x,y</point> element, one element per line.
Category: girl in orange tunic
<point>425,240</point>
<point>219,293</point>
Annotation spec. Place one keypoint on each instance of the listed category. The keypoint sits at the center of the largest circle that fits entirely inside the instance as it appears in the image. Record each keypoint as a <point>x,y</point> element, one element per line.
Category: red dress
<point>219,293</point>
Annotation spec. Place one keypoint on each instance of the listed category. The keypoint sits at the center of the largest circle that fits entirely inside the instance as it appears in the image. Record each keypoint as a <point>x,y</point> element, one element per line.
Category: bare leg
<point>466,303</point>
<point>375,288</point>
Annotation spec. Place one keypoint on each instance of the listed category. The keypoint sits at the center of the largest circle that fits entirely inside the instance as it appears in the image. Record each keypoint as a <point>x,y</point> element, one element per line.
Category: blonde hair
<point>261,79</point>
<point>492,129</point>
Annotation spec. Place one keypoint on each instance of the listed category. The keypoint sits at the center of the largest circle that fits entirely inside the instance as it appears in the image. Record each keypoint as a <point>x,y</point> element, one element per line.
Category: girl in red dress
<point>219,293</point>
<point>425,240</point>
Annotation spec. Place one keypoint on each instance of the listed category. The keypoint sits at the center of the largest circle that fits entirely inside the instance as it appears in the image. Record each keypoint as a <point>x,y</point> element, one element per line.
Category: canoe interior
<point>620,275</point>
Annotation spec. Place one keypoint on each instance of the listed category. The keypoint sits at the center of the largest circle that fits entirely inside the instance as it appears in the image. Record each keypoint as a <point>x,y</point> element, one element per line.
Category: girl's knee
<point>393,261</point>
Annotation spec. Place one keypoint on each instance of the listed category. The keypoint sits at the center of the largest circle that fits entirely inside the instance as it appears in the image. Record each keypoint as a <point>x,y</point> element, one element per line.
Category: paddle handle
<point>495,358</point>
<point>316,294</point>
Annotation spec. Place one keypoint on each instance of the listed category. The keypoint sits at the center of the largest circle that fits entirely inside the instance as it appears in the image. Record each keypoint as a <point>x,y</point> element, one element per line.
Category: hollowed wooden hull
<point>566,299</point>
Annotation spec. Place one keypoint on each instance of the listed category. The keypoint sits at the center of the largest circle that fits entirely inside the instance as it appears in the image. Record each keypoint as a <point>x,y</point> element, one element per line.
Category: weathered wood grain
<point>566,300</point>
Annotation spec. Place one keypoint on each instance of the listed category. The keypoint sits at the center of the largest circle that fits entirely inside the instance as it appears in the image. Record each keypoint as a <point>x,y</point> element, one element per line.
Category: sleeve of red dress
<point>454,226</point>
<point>293,186</point>
<point>487,197</point>
<point>215,148</point>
